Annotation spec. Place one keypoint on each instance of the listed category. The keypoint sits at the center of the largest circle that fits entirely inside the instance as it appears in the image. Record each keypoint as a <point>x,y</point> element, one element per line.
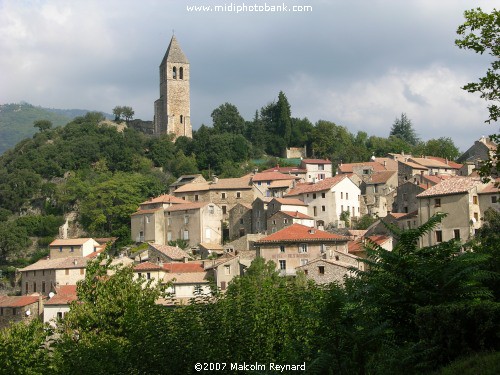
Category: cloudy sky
<point>358,63</point>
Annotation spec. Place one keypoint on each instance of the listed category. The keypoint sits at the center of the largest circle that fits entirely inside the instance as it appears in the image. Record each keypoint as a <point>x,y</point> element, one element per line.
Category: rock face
<point>172,109</point>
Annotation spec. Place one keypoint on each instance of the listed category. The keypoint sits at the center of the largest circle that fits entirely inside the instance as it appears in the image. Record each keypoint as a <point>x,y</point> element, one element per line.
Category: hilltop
<point>16,121</point>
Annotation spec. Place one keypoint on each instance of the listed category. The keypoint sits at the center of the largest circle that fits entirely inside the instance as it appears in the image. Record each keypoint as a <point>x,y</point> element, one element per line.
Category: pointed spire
<point>174,53</point>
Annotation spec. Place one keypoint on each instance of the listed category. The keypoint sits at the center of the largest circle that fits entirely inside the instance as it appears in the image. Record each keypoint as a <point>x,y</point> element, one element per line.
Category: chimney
<point>215,179</point>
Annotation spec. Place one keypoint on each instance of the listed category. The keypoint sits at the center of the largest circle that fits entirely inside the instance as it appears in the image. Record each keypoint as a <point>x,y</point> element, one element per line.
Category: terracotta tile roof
<point>380,177</point>
<point>286,170</point>
<point>165,198</point>
<point>193,186</point>
<point>430,163</point>
<point>280,184</point>
<point>60,263</point>
<point>290,201</point>
<point>322,185</point>
<point>65,294</point>
<point>186,206</point>
<point>413,165</point>
<point>316,161</point>
<point>455,185</point>
<point>492,187</point>
<point>450,163</point>
<point>388,163</point>
<point>151,211</point>
<point>271,176</point>
<point>349,167</point>
<point>216,263</point>
<point>300,233</point>
<point>70,241</point>
<point>173,252</point>
<point>18,301</point>
<point>187,278</point>
<point>183,267</point>
<point>147,266</point>
<point>296,214</point>
<point>436,179</point>
<point>397,215</point>
<point>357,246</point>
<point>212,246</point>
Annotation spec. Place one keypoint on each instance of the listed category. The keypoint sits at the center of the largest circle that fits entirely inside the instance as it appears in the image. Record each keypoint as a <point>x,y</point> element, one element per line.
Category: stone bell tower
<point>172,109</point>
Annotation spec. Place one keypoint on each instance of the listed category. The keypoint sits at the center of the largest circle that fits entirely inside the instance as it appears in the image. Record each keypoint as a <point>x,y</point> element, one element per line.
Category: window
<point>341,195</point>
<point>34,273</point>
<point>148,276</point>
<point>222,285</point>
<point>303,248</point>
<point>211,210</point>
<point>323,195</point>
<point>82,271</point>
<point>303,262</point>
<point>66,271</point>
<point>26,287</point>
<point>169,236</point>
<point>223,195</point>
<point>224,209</point>
<point>282,248</point>
<point>227,270</point>
<point>494,199</point>
<point>456,234</point>
<point>174,73</point>
<point>315,210</point>
<point>314,195</point>
<point>321,167</point>
<point>185,235</point>
<point>169,221</point>
<point>439,236</point>
<point>285,221</point>
<point>182,119</point>
<point>242,221</point>
<point>476,216</point>
<point>181,73</point>
<point>321,270</point>
<point>59,315</point>
<point>60,249</point>
<point>186,219</point>
<point>238,195</point>
<point>437,202</point>
<point>323,208</point>
<point>196,197</point>
<point>346,195</point>
<point>72,249</point>
<point>282,264</point>
<point>474,199</point>
<point>139,275</point>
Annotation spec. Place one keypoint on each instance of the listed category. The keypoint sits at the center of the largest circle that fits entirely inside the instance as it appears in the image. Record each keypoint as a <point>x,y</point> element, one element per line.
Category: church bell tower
<point>172,109</point>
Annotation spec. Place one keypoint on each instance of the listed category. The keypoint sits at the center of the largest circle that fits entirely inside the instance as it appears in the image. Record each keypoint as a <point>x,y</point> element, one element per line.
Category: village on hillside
<point>298,217</point>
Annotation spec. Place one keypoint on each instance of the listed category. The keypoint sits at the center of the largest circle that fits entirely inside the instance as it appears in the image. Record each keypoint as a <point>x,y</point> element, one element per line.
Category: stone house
<point>240,220</point>
<point>459,198</point>
<point>410,171</point>
<point>271,184</point>
<point>489,196</point>
<point>283,219</point>
<point>361,169</point>
<point>328,198</point>
<point>185,179</point>
<point>57,306</point>
<point>165,253</point>
<point>224,270</point>
<point>195,223</point>
<point>46,275</point>
<point>379,192</point>
<point>326,271</point>
<point>298,172</point>
<point>210,250</point>
<point>286,204</point>
<point>316,169</point>
<point>224,192</point>
<point>481,150</point>
<point>74,247</point>
<point>15,309</point>
<point>148,223</point>
<point>298,244</point>
<point>259,215</point>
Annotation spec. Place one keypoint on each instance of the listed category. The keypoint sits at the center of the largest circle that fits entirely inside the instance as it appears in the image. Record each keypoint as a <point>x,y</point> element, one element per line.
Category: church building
<point>172,109</point>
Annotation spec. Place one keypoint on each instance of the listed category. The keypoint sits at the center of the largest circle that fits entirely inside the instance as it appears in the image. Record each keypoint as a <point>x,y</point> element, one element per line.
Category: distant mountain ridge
<point>16,121</point>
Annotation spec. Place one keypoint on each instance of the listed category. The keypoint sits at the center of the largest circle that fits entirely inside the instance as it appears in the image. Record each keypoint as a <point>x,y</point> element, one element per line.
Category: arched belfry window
<point>182,118</point>
<point>181,73</point>
<point>174,73</point>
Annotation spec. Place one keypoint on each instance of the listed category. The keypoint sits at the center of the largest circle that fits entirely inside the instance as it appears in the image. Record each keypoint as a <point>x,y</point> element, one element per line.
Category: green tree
<point>128,113</point>
<point>481,34</point>
<point>403,129</point>
<point>227,119</point>
<point>442,147</point>
<point>42,125</point>
<point>346,216</point>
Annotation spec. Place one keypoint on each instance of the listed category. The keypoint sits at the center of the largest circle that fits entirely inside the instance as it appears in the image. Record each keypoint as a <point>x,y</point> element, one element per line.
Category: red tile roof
<point>58,263</point>
<point>357,246</point>
<point>380,177</point>
<point>165,198</point>
<point>301,233</point>
<point>286,170</point>
<point>296,214</point>
<point>451,186</point>
<point>65,294</point>
<point>450,163</point>
<point>186,206</point>
<point>271,176</point>
<point>173,252</point>
<point>17,301</point>
<point>290,201</point>
<point>183,267</point>
<point>147,266</point>
<point>151,211</point>
<point>70,241</point>
<point>349,167</point>
<point>322,185</point>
